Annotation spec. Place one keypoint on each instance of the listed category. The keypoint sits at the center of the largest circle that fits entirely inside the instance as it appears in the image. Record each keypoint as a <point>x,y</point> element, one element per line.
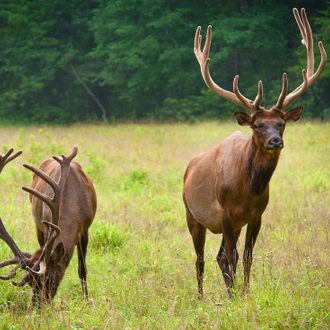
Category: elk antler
<point>309,76</point>
<point>204,60</point>
<point>6,158</point>
<point>53,203</point>
<point>284,100</point>
<point>20,258</point>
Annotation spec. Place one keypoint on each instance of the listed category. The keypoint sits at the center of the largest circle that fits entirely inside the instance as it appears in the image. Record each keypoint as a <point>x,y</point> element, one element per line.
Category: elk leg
<point>82,268</point>
<point>223,263</point>
<point>198,233</point>
<point>227,257</point>
<point>251,237</point>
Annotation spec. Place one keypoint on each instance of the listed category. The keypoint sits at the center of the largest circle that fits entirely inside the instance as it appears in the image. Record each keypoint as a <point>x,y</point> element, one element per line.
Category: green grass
<point>141,258</point>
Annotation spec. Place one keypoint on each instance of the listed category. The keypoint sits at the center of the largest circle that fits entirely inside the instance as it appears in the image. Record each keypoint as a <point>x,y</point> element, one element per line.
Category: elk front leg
<point>251,237</point>
<point>227,257</point>
<point>198,233</point>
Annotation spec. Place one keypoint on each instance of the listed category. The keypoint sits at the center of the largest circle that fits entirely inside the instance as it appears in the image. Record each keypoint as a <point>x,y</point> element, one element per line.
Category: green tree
<point>149,66</point>
<point>65,61</point>
<point>40,40</point>
<point>142,47</point>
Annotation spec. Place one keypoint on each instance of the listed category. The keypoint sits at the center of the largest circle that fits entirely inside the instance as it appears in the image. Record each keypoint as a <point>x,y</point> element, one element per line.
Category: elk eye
<point>255,126</point>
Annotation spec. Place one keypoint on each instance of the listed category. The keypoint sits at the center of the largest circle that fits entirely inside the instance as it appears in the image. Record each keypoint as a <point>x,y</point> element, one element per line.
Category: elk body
<point>64,204</point>
<point>227,187</point>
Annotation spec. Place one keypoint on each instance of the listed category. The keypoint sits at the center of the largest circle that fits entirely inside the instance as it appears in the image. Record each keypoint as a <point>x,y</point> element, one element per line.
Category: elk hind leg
<point>82,268</point>
<point>198,233</point>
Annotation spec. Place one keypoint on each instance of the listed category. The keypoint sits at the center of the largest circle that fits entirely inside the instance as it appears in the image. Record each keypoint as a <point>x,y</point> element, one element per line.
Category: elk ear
<point>57,253</point>
<point>293,115</point>
<point>243,118</point>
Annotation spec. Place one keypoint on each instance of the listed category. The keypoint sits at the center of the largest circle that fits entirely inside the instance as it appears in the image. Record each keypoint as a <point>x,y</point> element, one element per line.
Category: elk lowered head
<point>44,267</point>
<point>267,125</point>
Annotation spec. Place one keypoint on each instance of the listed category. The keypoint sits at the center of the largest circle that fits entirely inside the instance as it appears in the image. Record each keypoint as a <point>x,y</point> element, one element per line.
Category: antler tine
<point>65,165</point>
<point>259,96</point>
<point>27,278</point>
<point>47,179</point>
<point>204,60</point>
<point>39,267</point>
<point>53,203</point>
<point>252,106</point>
<point>20,258</point>
<point>4,235</point>
<point>307,38</point>
<point>309,76</point>
<point>6,158</point>
<point>11,274</point>
<point>245,102</point>
<point>284,91</point>
<point>202,56</point>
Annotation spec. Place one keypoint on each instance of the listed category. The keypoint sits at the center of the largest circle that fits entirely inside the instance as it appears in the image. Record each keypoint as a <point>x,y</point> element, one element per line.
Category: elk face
<point>268,126</point>
<point>46,281</point>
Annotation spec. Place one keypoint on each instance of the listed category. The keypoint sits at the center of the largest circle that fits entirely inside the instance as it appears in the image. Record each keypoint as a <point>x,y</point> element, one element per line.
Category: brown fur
<point>77,211</point>
<point>227,187</point>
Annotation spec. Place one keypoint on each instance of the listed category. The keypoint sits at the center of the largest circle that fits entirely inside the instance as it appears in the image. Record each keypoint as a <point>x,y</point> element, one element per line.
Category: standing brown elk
<point>64,204</point>
<point>227,187</point>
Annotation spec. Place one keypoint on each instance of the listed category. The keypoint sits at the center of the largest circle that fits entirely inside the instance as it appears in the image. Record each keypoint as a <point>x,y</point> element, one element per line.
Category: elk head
<point>267,125</point>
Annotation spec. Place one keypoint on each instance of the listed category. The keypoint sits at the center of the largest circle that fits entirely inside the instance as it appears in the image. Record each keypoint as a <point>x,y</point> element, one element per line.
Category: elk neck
<point>260,166</point>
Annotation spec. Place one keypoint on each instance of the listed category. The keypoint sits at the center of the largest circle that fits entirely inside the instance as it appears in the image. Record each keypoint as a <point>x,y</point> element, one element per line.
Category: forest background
<point>80,61</point>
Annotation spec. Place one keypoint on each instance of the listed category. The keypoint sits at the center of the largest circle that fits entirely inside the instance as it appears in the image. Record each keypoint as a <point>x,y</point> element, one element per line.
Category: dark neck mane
<point>260,168</point>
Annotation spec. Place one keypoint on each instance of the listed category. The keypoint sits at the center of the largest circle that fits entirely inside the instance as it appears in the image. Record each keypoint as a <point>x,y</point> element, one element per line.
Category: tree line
<point>89,60</point>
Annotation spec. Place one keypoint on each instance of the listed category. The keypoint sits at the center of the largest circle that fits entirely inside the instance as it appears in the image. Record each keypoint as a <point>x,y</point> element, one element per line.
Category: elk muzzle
<point>275,143</point>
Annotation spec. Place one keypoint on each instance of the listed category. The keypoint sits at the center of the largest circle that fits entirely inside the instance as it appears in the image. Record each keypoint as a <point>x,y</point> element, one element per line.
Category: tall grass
<point>141,258</point>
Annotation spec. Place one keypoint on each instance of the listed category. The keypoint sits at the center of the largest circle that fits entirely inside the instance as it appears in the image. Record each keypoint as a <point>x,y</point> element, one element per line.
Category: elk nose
<point>276,143</point>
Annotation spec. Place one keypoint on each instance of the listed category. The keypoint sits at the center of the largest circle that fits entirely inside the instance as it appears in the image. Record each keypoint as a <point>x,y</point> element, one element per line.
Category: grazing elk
<point>63,207</point>
<point>227,187</point>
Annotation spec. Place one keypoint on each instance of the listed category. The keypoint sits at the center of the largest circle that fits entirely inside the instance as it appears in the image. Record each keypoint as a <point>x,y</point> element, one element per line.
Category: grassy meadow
<point>141,261</point>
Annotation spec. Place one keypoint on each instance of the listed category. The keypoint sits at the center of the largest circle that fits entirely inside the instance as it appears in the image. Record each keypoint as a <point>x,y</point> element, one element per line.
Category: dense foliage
<point>68,61</point>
